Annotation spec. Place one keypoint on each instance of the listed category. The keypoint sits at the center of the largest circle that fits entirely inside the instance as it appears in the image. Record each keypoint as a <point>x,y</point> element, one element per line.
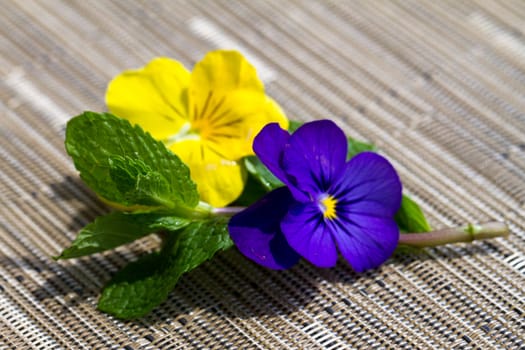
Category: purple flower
<point>329,204</point>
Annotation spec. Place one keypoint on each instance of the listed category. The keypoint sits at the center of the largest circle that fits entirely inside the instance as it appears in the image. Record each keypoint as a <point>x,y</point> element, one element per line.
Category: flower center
<point>328,205</point>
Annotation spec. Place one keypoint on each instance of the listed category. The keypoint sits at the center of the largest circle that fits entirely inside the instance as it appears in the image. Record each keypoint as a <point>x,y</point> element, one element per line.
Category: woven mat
<point>438,86</point>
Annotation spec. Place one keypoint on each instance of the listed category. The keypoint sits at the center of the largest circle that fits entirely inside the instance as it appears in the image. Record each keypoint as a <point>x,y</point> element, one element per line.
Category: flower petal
<point>256,232</point>
<point>366,241</point>
<point>269,146</point>
<point>219,181</point>
<point>315,157</point>
<point>228,103</point>
<point>155,97</point>
<point>369,185</point>
<point>223,71</point>
<point>307,233</point>
<point>233,120</point>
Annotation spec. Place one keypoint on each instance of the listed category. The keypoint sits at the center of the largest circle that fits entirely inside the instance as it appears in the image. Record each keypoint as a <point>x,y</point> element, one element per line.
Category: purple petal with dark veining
<point>268,145</point>
<point>369,185</point>
<point>366,241</point>
<point>256,232</point>
<point>368,194</point>
<point>315,157</point>
<point>307,233</point>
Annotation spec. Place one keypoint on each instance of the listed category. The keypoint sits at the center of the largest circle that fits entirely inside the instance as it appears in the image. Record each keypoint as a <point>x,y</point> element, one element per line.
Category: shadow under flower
<point>231,286</point>
<point>227,286</point>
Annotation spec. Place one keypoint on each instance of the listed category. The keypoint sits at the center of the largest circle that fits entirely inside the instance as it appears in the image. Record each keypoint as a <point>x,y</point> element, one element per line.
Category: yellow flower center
<point>185,133</point>
<point>208,116</point>
<point>328,205</point>
<point>209,122</point>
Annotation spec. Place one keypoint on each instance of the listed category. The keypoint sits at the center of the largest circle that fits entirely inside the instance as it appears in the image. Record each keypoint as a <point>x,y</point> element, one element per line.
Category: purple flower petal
<point>256,232</point>
<point>315,157</point>
<point>369,194</point>
<point>360,198</point>
<point>366,241</point>
<point>369,185</point>
<point>268,145</point>
<point>307,233</point>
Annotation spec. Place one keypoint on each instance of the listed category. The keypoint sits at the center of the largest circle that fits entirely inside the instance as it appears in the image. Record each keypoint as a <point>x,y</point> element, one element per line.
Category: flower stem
<point>202,211</point>
<point>227,211</point>
<point>466,233</point>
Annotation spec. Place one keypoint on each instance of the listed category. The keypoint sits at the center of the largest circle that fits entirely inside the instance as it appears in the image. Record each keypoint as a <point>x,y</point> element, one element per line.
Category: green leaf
<point>261,174</point>
<point>138,183</point>
<point>355,147</point>
<point>410,217</point>
<point>125,165</point>
<point>294,125</point>
<point>144,284</point>
<point>118,228</point>
<point>252,192</point>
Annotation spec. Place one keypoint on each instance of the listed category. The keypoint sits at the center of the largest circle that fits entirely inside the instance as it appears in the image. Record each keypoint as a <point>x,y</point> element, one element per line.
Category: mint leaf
<point>252,192</point>
<point>124,164</point>
<point>261,174</point>
<point>410,217</point>
<point>355,147</point>
<point>117,228</point>
<point>138,183</point>
<point>144,284</point>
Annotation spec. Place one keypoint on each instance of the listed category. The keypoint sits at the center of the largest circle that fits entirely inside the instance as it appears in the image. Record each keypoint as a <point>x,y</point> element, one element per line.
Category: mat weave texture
<point>437,85</point>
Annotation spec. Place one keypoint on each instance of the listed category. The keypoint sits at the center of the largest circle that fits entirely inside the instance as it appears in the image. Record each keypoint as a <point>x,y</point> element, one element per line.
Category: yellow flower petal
<point>228,104</point>
<point>219,181</point>
<point>208,118</point>
<point>224,71</point>
<point>155,97</point>
<point>231,129</point>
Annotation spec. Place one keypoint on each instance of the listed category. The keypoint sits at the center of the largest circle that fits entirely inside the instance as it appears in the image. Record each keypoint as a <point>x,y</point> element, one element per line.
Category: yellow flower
<point>208,117</point>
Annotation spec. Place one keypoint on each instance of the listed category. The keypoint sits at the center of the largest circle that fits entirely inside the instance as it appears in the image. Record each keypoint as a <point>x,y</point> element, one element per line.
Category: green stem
<point>466,233</point>
<point>202,211</point>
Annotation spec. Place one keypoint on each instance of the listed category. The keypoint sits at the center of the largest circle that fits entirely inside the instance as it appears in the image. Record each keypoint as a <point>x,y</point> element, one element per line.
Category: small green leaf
<point>355,147</point>
<point>261,173</point>
<point>252,192</point>
<point>117,228</point>
<point>144,284</point>
<point>125,165</point>
<point>294,125</point>
<point>410,217</point>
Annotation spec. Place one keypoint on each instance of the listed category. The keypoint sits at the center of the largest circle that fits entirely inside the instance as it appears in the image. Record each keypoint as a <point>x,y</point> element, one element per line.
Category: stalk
<point>467,233</point>
<point>227,211</point>
<point>458,234</point>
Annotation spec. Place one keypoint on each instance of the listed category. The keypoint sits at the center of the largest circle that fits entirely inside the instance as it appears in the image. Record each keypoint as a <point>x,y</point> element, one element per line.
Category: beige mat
<point>438,85</point>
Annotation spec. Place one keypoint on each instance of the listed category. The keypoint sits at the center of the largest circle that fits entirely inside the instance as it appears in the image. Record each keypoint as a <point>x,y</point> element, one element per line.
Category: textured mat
<point>438,85</point>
